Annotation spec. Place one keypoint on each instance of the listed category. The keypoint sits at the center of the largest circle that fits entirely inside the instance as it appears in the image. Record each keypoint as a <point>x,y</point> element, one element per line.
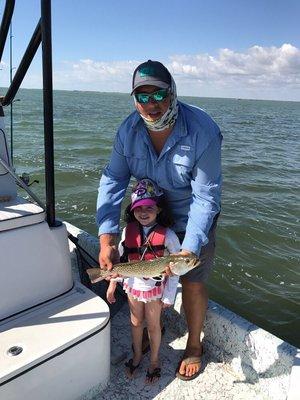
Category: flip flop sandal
<point>130,366</point>
<point>154,374</point>
<point>188,361</point>
<point>145,344</point>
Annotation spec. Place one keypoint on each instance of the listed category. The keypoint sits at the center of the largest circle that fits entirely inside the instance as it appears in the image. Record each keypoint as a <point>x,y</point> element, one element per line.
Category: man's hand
<point>108,255</point>
<point>168,270</point>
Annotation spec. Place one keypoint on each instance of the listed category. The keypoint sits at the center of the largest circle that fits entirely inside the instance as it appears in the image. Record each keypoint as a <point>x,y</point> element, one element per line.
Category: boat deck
<point>241,361</point>
<point>216,381</point>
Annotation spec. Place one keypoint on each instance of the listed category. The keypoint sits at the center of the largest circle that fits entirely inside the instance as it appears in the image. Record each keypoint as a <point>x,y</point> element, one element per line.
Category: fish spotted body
<point>179,265</point>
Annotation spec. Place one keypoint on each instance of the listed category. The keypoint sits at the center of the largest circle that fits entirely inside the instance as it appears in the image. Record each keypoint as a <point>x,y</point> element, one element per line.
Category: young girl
<point>146,236</point>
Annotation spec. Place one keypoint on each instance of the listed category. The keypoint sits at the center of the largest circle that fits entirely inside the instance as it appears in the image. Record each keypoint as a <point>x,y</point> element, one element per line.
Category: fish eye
<point>187,260</point>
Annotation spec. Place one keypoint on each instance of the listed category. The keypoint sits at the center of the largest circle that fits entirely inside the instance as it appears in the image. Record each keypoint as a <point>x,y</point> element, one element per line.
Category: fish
<point>179,265</point>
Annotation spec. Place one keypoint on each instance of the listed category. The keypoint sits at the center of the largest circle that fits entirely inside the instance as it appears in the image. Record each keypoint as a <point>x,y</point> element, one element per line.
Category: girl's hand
<point>110,295</point>
<point>166,305</point>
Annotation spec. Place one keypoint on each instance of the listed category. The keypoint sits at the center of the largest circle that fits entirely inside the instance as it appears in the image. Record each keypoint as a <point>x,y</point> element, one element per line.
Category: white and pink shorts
<point>145,296</point>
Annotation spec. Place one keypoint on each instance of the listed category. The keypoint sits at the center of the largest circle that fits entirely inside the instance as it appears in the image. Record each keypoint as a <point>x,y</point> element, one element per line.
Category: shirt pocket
<point>181,170</point>
<point>137,162</point>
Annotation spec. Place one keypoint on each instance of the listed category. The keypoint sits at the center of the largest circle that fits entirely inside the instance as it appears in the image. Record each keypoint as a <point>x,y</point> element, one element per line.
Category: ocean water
<point>256,271</point>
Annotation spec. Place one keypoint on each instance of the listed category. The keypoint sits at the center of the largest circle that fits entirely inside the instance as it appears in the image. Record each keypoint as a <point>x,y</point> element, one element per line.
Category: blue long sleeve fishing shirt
<point>188,169</point>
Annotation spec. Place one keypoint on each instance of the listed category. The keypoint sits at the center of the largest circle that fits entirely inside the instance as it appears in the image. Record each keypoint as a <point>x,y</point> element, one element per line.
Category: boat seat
<point>18,212</point>
<point>57,350</point>
<point>36,264</point>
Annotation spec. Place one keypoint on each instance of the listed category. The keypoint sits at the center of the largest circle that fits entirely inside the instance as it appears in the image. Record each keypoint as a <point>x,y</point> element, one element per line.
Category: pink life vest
<point>136,246</point>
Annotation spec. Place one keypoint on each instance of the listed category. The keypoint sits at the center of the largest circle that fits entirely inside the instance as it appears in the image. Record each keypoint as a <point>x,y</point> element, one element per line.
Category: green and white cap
<point>151,73</point>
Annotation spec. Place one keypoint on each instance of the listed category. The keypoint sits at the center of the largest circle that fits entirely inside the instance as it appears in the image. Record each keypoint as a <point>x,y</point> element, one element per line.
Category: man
<point>179,147</point>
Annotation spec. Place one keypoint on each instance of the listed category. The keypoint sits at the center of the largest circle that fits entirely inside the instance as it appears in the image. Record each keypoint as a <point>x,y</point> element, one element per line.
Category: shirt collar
<point>136,121</point>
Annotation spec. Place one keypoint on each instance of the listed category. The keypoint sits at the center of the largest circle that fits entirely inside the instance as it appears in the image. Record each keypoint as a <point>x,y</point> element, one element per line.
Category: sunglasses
<point>144,98</point>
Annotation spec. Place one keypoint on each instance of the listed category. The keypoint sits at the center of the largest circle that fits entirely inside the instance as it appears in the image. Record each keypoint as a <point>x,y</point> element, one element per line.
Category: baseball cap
<point>145,193</point>
<point>151,73</point>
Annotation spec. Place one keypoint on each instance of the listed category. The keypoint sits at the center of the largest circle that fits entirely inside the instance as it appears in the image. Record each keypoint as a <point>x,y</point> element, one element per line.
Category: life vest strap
<point>133,250</point>
<point>138,246</point>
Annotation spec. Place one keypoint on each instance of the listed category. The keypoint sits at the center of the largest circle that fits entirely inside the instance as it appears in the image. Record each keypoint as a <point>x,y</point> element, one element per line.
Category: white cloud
<point>95,75</point>
<point>259,72</point>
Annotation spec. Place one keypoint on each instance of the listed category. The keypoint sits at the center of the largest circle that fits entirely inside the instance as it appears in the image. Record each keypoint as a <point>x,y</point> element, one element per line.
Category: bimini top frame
<point>42,34</point>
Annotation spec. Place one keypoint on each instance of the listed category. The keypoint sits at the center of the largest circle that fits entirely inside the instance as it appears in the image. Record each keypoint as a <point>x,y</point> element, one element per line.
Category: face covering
<point>169,117</point>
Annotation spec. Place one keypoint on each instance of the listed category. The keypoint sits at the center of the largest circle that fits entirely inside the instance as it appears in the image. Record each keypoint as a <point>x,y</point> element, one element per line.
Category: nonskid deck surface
<point>241,360</point>
<point>216,381</point>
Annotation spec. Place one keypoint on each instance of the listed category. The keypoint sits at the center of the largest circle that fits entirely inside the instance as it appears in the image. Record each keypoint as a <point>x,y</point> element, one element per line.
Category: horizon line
<point>113,92</point>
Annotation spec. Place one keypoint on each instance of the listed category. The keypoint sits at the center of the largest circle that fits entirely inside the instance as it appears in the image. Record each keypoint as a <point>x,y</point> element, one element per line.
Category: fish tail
<point>96,274</point>
<point>99,279</point>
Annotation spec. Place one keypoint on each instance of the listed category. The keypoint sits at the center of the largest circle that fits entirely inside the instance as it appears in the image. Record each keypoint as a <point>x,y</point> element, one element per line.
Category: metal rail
<point>6,20</point>
<point>24,65</point>
<point>42,34</point>
<point>45,24</point>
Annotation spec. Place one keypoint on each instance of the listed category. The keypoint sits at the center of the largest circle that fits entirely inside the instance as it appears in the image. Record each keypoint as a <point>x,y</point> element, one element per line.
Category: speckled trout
<point>179,265</point>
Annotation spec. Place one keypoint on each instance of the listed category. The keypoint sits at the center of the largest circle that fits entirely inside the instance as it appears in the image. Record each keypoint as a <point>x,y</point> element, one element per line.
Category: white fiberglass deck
<point>241,360</point>
<point>217,381</point>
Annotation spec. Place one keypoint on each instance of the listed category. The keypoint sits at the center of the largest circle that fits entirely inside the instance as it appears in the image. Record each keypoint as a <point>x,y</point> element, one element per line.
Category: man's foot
<point>189,366</point>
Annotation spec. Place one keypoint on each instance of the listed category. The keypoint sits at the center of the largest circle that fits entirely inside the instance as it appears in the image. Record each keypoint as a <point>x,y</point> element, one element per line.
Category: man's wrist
<point>108,239</point>
<point>186,252</point>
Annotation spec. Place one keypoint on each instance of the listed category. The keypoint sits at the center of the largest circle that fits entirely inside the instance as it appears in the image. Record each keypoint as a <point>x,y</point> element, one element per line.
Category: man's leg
<point>194,300</point>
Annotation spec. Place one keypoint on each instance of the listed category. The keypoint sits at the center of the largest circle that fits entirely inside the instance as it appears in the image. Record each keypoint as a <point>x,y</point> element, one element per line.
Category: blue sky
<point>213,48</point>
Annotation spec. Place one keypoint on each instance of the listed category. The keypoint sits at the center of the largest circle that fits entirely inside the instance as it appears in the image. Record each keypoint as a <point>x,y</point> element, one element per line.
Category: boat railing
<point>41,35</point>
<point>6,20</point>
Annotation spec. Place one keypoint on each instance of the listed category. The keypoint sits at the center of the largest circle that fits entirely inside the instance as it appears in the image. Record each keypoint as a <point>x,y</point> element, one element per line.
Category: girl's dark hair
<point>164,218</point>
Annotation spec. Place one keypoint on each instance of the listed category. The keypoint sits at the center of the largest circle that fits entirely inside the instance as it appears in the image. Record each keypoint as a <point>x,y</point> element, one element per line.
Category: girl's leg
<point>137,319</point>
<point>152,314</point>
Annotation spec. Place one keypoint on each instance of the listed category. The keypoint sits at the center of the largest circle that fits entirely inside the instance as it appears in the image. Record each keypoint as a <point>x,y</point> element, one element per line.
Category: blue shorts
<point>201,273</point>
